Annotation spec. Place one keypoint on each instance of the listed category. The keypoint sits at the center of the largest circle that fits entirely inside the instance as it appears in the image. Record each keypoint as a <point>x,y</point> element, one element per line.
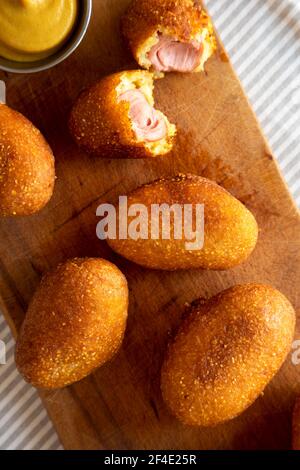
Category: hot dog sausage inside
<point>171,55</point>
<point>148,124</point>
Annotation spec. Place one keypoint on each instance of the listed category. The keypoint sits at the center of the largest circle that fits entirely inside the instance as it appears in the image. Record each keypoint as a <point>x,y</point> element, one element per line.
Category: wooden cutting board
<point>120,406</point>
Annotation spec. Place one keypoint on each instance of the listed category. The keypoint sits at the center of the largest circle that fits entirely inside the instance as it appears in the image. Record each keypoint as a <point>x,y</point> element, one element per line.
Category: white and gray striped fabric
<point>262,38</point>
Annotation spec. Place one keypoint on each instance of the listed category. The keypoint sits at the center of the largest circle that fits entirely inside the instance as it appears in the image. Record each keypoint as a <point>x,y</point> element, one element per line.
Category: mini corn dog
<point>226,351</point>
<point>169,35</point>
<point>116,118</point>
<point>74,323</point>
<point>27,171</point>
<point>230,229</point>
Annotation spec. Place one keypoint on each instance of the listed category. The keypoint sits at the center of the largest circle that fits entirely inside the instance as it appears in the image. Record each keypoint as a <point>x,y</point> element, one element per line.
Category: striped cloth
<point>263,39</point>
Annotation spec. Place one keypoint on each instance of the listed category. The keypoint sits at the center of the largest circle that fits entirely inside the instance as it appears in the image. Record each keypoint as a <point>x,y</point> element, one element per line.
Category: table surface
<point>262,38</point>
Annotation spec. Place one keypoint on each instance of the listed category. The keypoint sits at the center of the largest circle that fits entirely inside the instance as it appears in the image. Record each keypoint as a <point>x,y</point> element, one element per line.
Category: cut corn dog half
<point>169,35</point>
<point>116,118</point>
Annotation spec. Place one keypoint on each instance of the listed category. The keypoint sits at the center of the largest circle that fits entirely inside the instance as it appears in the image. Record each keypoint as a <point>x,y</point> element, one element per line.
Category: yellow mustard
<point>34,29</point>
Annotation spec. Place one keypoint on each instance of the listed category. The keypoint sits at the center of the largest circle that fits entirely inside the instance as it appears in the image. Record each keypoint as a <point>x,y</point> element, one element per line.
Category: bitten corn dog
<point>116,118</point>
<point>169,35</point>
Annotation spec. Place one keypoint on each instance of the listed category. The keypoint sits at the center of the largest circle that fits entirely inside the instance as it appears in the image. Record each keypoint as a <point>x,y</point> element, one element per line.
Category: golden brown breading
<point>225,353</point>
<point>100,124</point>
<point>27,171</point>
<point>74,323</point>
<point>184,20</point>
<point>296,425</point>
<point>230,229</point>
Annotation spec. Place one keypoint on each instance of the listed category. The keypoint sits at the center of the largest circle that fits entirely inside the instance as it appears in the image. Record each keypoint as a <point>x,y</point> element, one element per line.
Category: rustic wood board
<point>120,406</point>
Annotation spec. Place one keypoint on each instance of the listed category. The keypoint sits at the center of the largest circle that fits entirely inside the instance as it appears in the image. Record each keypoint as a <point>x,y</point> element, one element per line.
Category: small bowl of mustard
<point>36,35</point>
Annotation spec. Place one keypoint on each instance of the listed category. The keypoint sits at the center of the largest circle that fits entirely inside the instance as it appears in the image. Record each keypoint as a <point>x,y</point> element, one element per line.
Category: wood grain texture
<point>120,406</point>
